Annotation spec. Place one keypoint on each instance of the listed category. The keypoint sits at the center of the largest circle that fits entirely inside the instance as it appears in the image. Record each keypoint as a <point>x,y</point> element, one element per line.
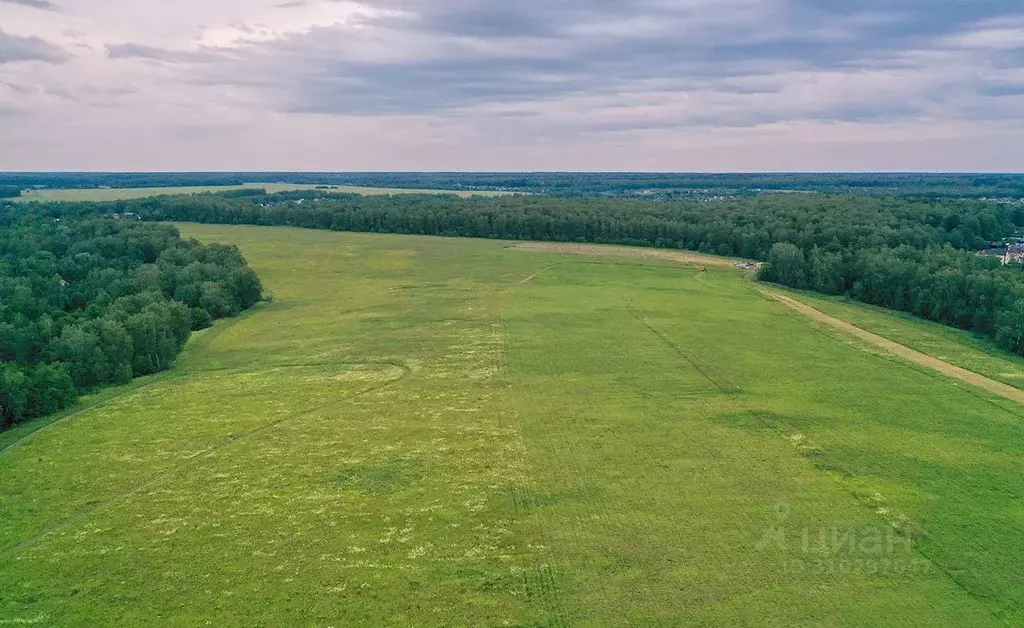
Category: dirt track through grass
<point>947,369</point>
<point>608,443</point>
<point>895,348</point>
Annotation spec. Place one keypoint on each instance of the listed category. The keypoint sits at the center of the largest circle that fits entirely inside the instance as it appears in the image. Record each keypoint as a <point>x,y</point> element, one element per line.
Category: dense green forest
<point>915,256</point>
<point>743,227</point>
<point>90,301</point>
<point>666,186</point>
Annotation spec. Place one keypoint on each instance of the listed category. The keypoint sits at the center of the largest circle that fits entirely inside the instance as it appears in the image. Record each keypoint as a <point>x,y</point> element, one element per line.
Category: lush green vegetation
<point>237,191</point>
<point>957,288</point>
<point>644,185</point>
<point>913,256</point>
<point>88,302</point>
<point>115,194</point>
<point>413,433</point>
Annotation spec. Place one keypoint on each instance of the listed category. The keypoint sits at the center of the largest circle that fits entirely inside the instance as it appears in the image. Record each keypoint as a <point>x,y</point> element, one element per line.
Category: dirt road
<point>688,257</point>
<point>947,369</point>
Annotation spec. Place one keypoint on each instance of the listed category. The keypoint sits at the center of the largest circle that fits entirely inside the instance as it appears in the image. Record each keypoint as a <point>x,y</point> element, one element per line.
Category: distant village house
<point>1006,254</point>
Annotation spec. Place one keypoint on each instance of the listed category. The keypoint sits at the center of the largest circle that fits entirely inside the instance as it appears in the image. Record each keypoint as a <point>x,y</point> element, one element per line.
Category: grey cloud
<point>446,57</point>
<point>998,90</point>
<point>37,4</point>
<point>544,52</point>
<point>17,87</point>
<point>742,119</point>
<point>14,48</point>
<point>142,51</point>
<point>58,91</point>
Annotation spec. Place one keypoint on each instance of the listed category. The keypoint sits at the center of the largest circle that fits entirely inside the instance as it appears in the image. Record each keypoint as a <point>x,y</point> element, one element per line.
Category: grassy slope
<point>115,194</point>
<point>409,435</point>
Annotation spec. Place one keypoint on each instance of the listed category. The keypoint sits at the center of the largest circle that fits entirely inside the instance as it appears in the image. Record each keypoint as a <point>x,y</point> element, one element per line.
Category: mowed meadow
<point>422,431</point>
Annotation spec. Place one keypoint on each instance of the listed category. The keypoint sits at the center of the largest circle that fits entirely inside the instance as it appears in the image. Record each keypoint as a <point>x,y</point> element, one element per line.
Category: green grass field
<point>445,432</point>
<point>119,194</point>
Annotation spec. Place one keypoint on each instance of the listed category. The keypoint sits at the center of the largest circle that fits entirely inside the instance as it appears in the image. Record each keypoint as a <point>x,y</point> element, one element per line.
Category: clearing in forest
<point>412,434</point>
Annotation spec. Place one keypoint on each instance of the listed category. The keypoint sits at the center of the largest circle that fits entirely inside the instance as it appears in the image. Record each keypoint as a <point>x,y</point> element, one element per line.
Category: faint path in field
<point>685,257</point>
<point>894,348</point>
<point>195,344</point>
<point>534,275</point>
<point>88,407</point>
<point>224,442</point>
<point>702,367</point>
<point>922,359</point>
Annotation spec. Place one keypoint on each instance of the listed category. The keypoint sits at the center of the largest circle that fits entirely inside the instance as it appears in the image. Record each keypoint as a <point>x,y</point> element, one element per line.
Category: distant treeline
<point>9,191</point>
<point>914,256</point>
<point>607,184</point>
<point>88,301</point>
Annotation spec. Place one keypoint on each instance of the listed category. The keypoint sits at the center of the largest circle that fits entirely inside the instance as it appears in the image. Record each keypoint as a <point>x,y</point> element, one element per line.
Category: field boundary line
<point>723,384</point>
<point>224,442</point>
<point>894,348</point>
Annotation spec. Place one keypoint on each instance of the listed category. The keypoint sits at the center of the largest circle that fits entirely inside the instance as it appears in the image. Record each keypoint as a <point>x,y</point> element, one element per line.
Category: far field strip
<point>124,194</point>
<point>687,257</point>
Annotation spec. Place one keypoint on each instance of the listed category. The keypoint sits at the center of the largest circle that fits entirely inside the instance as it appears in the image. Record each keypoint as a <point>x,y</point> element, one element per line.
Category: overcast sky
<point>665,85</point>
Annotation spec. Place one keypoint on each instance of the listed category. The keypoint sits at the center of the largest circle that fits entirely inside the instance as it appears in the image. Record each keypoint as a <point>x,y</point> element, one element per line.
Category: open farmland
<point>442,432</point>
<point>124,194</point>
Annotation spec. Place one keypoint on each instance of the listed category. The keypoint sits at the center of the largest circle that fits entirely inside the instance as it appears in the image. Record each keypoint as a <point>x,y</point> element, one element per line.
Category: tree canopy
<point>91,301</point>
<point>912,255</point>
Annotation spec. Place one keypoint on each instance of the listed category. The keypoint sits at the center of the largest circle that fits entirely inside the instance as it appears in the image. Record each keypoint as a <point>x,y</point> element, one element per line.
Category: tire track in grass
<point>128,389</point>
<point>534,275</point>
<point>549,576</point>
<point>687,257</point>
<point>544,577</point>
<point>705,369</point>
<point>909,529</point>
<point>205,453</point>
<point>168,377</point>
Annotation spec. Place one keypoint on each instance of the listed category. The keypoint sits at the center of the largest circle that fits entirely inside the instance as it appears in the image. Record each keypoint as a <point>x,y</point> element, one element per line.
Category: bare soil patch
<point>685,257</point>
